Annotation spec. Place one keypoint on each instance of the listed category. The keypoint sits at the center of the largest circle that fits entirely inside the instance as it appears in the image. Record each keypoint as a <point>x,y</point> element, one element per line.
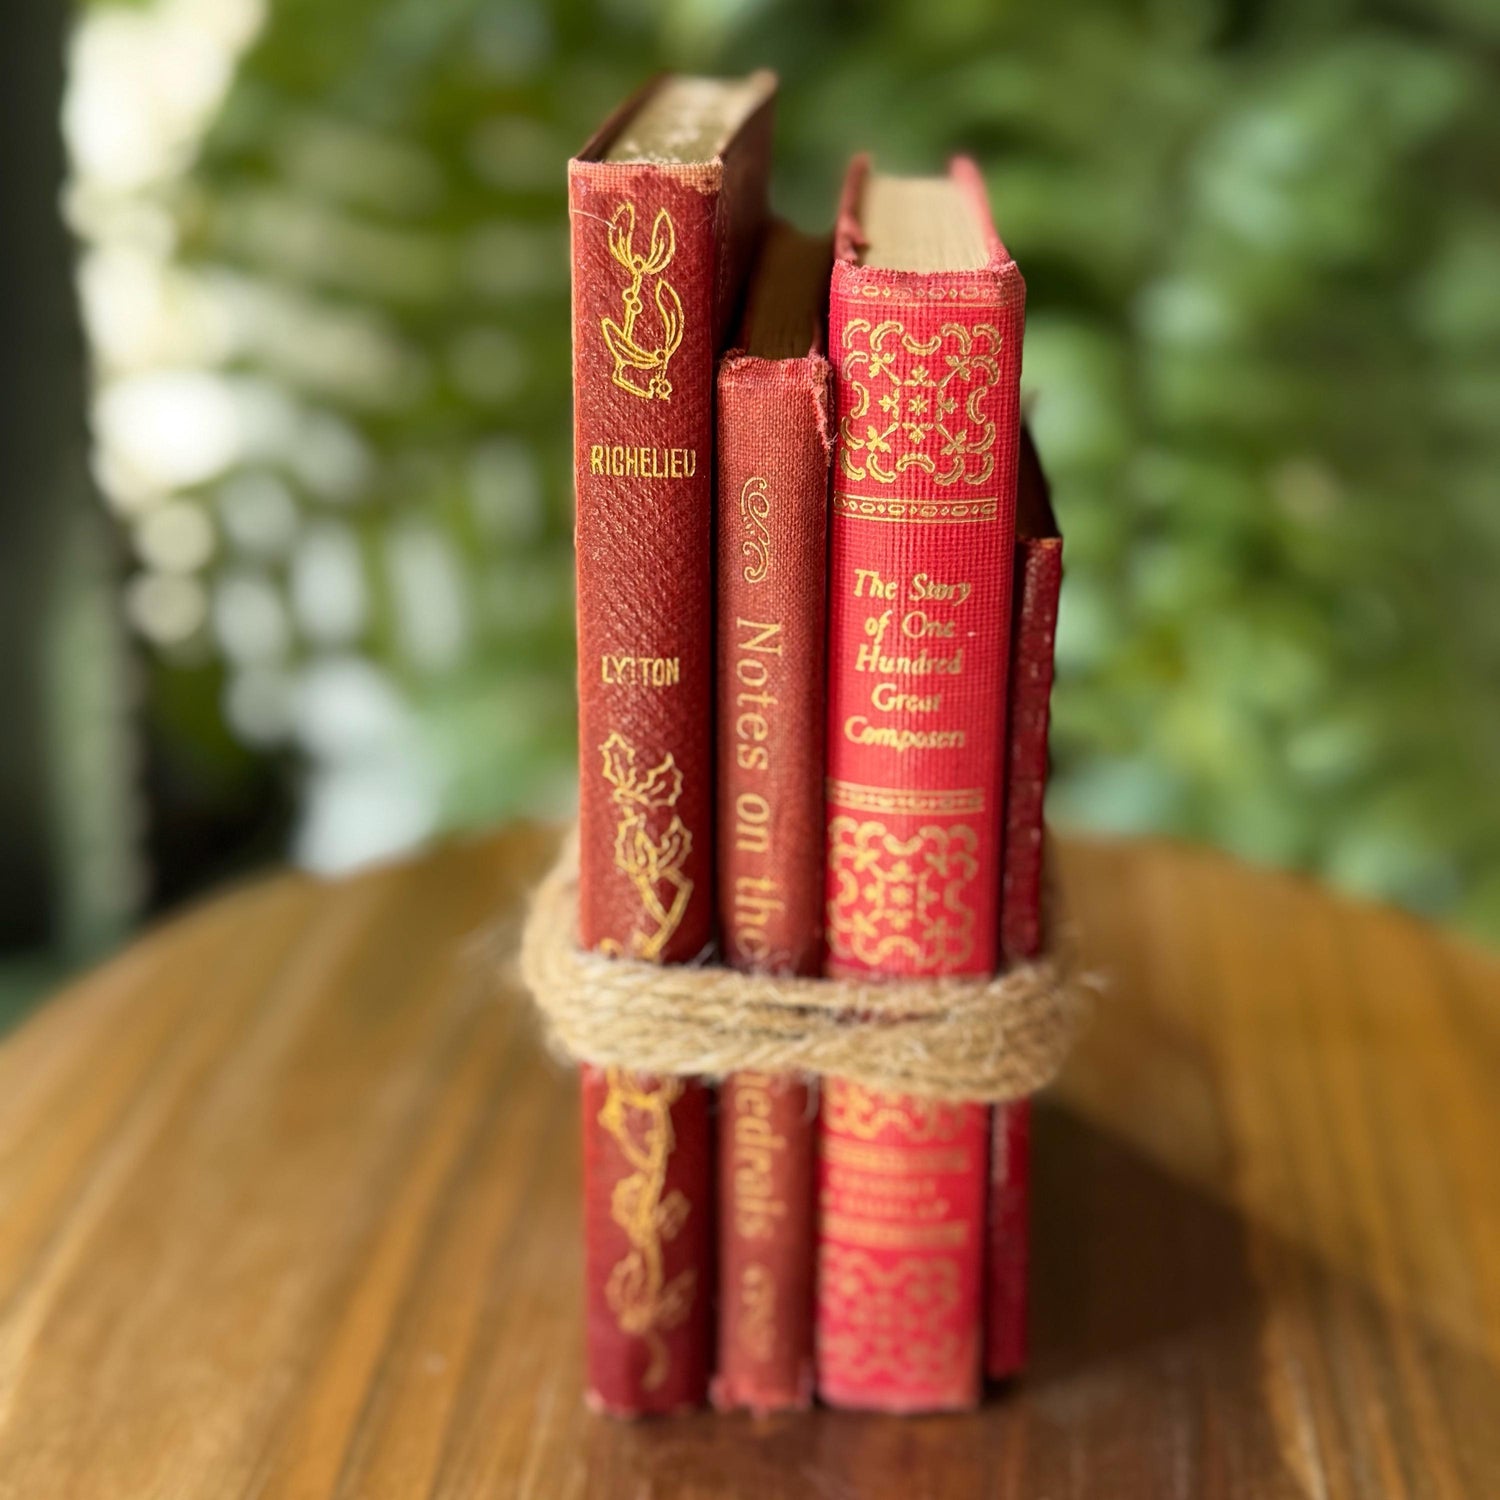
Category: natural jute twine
<point>978,1039</point>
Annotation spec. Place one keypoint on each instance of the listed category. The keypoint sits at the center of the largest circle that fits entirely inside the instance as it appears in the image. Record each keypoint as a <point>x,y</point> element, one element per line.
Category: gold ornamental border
<point>889,508</point>
<point>857,797</point>
<point>853,1229</point>
<point>908,295</point>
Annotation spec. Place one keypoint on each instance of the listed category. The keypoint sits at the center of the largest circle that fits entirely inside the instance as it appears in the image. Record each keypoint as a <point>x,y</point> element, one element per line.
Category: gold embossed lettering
<point>642,461</point>
<point>756,903</point>
<point>640,671</point>
<point>752,823</point>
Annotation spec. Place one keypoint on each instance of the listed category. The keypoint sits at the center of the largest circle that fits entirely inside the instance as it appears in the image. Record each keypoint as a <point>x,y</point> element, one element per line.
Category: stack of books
<point>817,589</point>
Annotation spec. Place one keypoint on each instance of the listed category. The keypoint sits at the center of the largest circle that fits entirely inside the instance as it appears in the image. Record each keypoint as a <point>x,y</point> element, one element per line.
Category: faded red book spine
<point>1034,631</point>
<point>773,452</point>
<point>659,253</point>
<point>922,541</point>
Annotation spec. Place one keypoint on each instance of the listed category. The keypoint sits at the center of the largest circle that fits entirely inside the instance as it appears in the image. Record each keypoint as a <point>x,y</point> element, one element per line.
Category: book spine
<point>773,451</point>
<point>1007,1257</point>
<point>922,549</point>
<point>1038,590</point>
<point>645,265</point>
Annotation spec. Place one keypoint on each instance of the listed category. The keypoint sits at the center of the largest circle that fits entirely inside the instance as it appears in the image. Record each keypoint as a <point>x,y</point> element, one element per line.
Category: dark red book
<point>773,451</point>
<point>1034,630</point>
<point>925,330</point>
<point>1038,588</point>
<point>665,204</point>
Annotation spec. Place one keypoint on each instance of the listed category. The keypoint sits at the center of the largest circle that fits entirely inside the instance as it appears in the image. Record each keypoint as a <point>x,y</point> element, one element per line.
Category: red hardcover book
<point>773,450</point>
<point>925,338</point>
<point>665,205</point>
<point>1038,585</point>
<point>1034,631</point>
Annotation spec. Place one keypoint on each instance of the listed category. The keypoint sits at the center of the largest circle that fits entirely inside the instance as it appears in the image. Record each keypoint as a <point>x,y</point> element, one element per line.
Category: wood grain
<point>288,1209</point>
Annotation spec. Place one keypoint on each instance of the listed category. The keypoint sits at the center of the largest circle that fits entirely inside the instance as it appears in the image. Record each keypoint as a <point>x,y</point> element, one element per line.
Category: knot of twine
<point>986,1040</point>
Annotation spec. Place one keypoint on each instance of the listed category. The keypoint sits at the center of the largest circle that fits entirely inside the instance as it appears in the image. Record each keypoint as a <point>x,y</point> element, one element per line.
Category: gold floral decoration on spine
<point>652,864</point>
<point>901,903</point>
<point>866,1114</point>
<point>887,1321</point>
<point>919,403</point>
<point>755,508</point>
<point>635,361</point>
<point>637,1112</point>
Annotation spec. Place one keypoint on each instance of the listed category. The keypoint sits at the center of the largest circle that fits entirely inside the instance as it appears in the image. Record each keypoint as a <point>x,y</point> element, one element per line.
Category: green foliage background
<point>1260,241</point>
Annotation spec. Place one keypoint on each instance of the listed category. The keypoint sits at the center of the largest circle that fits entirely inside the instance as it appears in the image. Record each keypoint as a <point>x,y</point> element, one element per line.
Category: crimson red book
<point>1038,587</point>
<point>774,395</point>
<point>665,206</point>
<point>925,330</point>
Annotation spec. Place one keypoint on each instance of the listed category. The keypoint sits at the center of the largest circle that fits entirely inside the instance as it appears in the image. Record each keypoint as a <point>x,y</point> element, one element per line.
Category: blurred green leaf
<point>1263,347</point>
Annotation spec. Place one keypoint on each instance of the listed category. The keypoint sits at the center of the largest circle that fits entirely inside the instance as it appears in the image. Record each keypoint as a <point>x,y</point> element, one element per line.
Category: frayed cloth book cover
<point>774,441</point>
<point>665,205</point>
<point>925,332</point>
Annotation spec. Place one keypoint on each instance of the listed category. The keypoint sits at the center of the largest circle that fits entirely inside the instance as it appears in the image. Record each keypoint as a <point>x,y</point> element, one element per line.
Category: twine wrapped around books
<point>986,1040</point>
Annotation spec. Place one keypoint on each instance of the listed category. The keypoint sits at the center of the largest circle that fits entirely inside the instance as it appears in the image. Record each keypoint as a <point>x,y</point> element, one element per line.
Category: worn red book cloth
<point>925,333</point>
<point>1038,586</point>
<point>773,443</point>
<point>665,206</point>
<point>1034,631</point>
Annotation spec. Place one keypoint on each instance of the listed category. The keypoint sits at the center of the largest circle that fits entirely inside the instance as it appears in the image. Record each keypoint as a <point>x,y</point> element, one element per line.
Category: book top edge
<point>976,247</point>
<point>786,301</point>
<point>678,123</point>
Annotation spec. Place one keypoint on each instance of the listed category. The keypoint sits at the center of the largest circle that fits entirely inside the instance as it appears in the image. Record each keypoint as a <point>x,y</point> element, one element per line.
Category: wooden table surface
<point>288,1208</point>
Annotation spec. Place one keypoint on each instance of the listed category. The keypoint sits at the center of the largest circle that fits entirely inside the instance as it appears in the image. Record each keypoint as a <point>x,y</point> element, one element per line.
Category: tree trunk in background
<point>67,872</point>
